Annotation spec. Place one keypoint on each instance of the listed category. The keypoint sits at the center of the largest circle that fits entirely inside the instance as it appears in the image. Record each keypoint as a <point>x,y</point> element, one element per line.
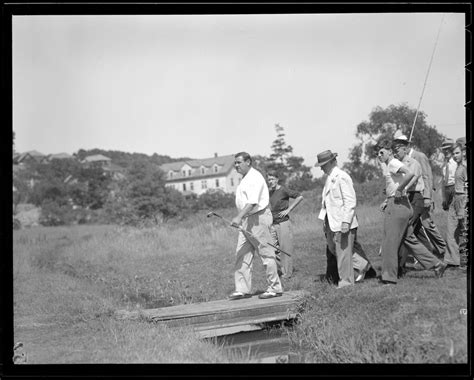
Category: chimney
<point>215,155</point>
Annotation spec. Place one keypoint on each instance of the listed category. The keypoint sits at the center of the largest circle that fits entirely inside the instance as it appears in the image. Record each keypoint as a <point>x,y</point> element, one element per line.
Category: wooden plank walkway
<point>223,317</point>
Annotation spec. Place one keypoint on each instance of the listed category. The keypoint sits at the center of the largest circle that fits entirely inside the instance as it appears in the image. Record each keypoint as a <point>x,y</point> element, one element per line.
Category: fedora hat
<point>325,157</point>
<point>447,144</point>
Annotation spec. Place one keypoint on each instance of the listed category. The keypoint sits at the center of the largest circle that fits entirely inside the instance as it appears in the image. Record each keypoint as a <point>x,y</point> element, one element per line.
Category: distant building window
<point>217,182</point>
<point>203,170</point>
<point>184,173</point>
<point>216,169</point>
<point>204,184</point>
<point>184,187</point>
<point>170,174</point>
<point>231,182</point>
<point>189,173</point>
<point>191,186</point>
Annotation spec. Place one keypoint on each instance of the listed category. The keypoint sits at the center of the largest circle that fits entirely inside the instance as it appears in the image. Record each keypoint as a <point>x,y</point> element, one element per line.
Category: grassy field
<point>68,282</point>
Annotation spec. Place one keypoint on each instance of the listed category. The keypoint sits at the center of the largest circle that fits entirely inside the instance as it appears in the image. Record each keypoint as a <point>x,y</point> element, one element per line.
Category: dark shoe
<point>269,294</point>
<point>239,295</point>
<point>439,269</point>
<point>452,266</point>
<point>402,271</point>
<point>385,282</point>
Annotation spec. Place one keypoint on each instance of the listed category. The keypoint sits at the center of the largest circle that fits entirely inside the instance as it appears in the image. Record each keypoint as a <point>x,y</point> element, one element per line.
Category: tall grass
<point>69,281</point>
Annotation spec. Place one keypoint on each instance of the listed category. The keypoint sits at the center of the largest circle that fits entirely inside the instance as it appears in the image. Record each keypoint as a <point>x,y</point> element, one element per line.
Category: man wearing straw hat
<point>338,216</point>
<point>425,229</point>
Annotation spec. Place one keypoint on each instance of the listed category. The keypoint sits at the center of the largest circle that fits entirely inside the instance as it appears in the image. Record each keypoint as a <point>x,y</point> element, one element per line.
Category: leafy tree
<point>383,123</point>
<point>143,196</point>
<point>290,168</point>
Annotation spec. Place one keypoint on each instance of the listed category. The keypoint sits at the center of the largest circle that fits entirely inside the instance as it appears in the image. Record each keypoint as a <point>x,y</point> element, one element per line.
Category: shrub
<point>52,214</point>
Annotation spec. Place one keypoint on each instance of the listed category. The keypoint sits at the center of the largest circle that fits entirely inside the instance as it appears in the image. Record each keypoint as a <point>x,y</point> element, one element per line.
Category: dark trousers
<point>424,228</point>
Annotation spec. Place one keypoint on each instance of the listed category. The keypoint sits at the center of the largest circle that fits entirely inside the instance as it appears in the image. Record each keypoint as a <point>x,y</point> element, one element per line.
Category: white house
<point>198,176</point>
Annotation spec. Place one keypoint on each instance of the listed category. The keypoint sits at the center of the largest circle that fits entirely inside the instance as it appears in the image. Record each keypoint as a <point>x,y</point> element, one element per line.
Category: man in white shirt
<point>252,201</point>
<point>338,214</point>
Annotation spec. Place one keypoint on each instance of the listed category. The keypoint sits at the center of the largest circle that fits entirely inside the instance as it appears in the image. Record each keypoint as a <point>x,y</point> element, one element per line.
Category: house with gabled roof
<point>31,156</point>
<point>199,176</point>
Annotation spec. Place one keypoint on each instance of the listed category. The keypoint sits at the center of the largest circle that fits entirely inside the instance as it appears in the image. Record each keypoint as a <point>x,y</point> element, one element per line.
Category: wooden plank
<point>247,313</point>
<point>223,317</point>
<point>233,326</point>
<point>212,307</point>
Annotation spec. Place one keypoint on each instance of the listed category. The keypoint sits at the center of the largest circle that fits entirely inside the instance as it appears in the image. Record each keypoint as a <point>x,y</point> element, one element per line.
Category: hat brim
<point>325,162</point>
<point>400,141</point>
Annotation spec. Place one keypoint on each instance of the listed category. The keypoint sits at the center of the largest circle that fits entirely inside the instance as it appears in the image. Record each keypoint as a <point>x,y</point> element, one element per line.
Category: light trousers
<point>258,225</point>
<point>455,228</point>
<point>340,246</point>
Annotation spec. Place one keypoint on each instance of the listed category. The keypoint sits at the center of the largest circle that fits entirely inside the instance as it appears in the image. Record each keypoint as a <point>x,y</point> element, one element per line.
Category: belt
<point>449,185</point>
<point>258,212</point>
<point>414,192</point>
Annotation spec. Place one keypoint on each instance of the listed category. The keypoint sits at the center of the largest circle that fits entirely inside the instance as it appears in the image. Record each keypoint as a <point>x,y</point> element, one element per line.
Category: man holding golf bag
<point>254,219</point>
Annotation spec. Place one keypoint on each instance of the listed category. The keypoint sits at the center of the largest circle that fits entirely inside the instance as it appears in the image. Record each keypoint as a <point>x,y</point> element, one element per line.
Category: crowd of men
<point>409,234</point>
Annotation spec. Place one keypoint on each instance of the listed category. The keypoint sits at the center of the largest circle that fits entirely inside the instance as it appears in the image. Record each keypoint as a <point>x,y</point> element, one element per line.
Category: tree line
<point>68,192</point>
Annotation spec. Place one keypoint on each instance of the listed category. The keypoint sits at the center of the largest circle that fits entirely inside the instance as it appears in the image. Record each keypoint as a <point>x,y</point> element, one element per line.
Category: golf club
<point>212,213</point>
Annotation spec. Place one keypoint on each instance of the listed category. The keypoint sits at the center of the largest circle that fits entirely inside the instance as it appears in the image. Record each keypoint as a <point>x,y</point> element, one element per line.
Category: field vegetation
<point>70,280</point>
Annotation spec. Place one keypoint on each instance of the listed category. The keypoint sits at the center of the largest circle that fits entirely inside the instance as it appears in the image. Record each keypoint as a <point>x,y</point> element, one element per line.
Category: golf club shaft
<point>249,233</point>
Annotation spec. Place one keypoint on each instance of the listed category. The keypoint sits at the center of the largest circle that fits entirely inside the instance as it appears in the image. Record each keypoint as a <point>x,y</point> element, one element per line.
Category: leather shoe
<point>439,269</point>
<point>269,294</point>
<point>239,295</point>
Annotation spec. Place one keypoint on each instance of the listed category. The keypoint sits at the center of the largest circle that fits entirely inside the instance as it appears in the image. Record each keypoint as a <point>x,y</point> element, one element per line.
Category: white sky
<point>195,85</point>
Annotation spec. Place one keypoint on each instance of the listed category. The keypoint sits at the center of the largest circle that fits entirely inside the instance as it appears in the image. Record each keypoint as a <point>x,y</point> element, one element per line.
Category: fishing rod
<point>426,79</point>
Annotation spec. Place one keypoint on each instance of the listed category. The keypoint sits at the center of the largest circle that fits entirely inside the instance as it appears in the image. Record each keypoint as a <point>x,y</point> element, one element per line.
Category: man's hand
<point>284,213</point>
<point>236,221</point>
<point>427,203</point>
<point>344,227</point>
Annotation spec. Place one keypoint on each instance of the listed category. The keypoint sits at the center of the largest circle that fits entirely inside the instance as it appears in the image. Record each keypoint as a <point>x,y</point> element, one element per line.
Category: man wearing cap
<point>252,200</point>
<point>425,229</point>
<point>338,216</point>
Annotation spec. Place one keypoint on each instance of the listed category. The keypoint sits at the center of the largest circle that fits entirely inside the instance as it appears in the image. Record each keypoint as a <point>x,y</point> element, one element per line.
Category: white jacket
<point>338,200</point>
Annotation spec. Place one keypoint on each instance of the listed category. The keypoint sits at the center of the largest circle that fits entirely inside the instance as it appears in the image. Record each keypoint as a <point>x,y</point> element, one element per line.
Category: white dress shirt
<point>252,189</point>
